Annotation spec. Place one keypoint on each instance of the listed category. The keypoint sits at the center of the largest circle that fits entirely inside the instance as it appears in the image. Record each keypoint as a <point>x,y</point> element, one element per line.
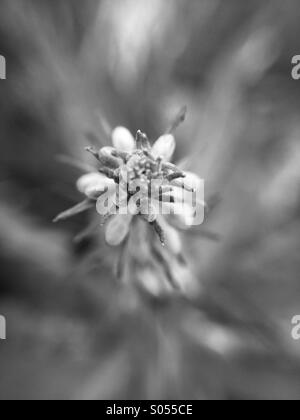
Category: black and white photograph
<point>149,203</point>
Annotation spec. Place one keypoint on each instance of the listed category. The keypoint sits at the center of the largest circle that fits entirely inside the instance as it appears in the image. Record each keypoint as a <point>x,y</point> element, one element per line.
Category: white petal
<point>173,240</point>
<point>95,191</point>
<point>191,210</point>
<point>192,180</point>
<point>178,207</point>
<point>191,216</point>
<point>93,180</point>
<point>117,229</point>
<point>132,207</point>
<point>182,208</point>
<point>123,140</point>
<point>184,211</point>
<point>164,147</point>
<point>106,204</point>
<point>188,218</point>
<point>154,281</point>
<point>184,278</point>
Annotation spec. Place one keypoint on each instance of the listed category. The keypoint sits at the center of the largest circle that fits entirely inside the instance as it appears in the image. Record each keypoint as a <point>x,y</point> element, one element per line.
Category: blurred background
<point>73,332</point>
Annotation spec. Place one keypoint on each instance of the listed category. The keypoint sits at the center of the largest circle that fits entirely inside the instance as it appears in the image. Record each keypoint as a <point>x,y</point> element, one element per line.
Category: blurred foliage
<point>73,332</point>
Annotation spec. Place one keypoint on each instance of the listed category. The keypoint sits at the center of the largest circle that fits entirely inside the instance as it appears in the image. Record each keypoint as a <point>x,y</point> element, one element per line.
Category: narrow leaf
<point>79,208</point>
<point>179,119</point>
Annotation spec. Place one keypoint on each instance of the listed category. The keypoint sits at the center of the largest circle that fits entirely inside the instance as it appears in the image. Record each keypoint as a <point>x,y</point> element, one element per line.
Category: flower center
<point>142,166</point>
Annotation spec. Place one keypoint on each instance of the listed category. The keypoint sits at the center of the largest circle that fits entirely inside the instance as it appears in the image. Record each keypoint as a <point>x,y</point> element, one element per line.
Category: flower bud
<point>107,159</point>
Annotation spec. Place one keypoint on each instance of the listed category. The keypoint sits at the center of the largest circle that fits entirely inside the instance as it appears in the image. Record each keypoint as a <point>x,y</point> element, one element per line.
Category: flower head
<point>134,181</point>
<point>137,179</point>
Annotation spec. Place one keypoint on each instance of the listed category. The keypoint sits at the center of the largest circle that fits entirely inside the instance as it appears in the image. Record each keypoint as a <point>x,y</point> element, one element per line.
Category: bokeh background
<point>73,331</point>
